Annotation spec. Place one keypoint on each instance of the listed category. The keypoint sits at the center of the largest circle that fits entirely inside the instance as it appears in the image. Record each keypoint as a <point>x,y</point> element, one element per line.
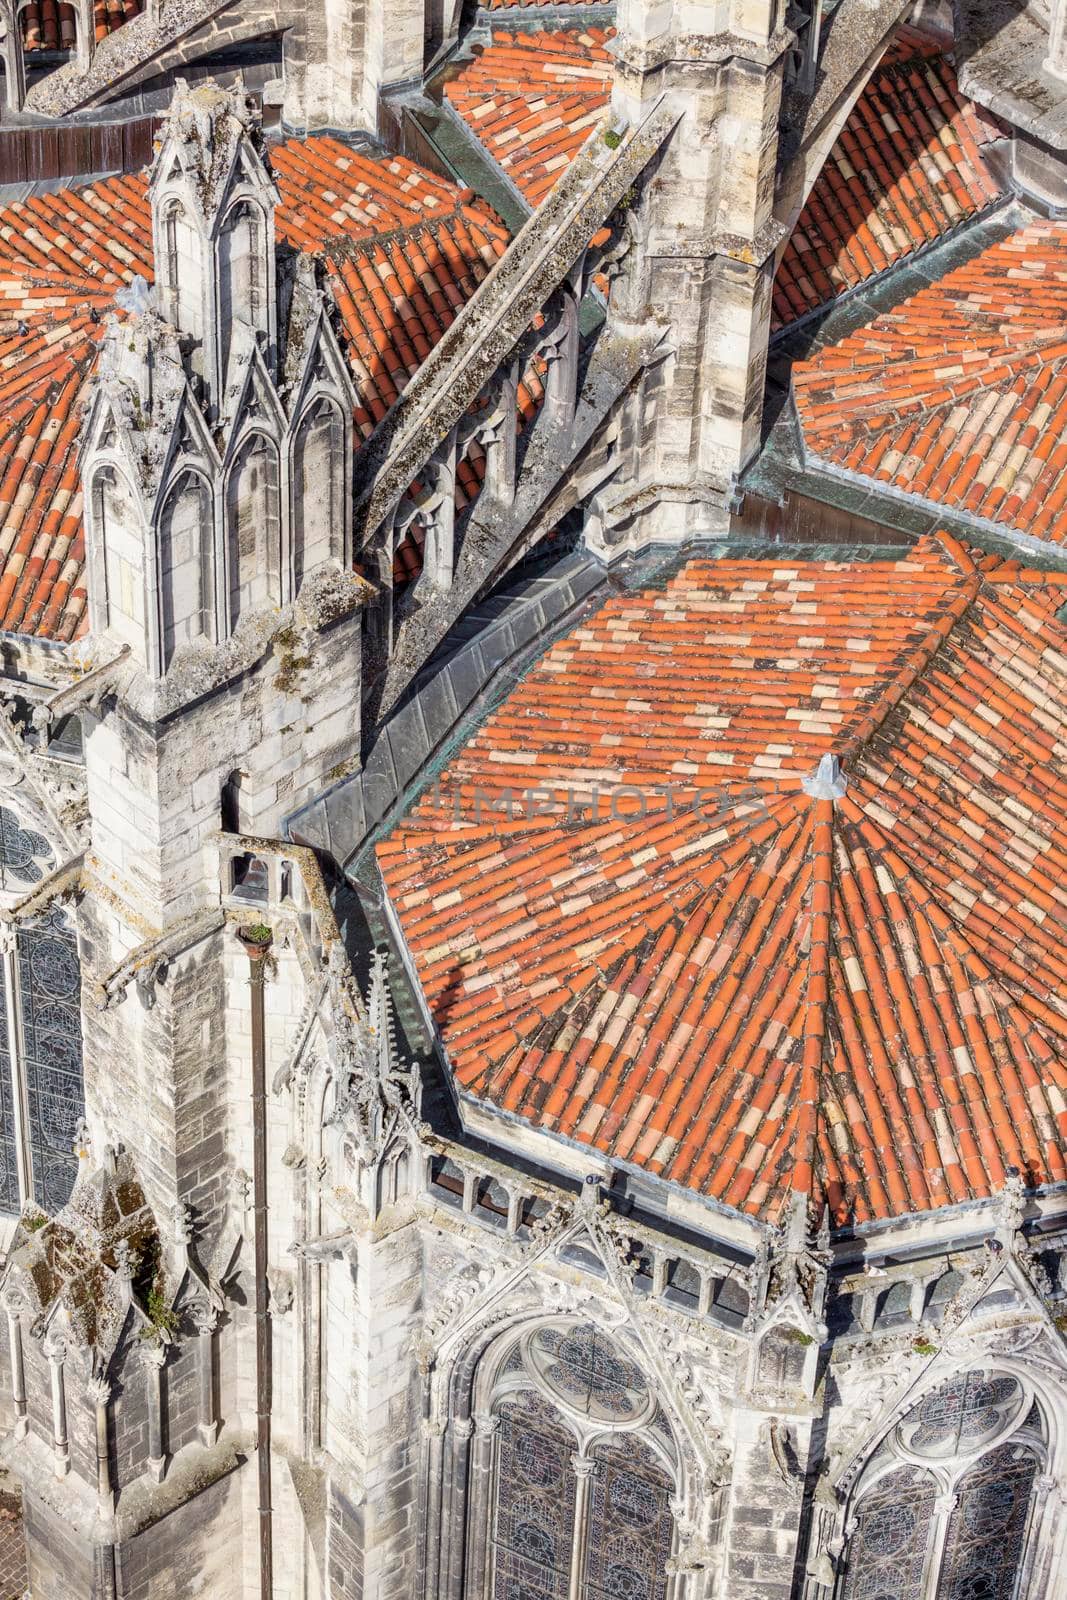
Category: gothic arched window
<point>242,290</point>
<point>318,509</point>
<point>952,1520</point>
<point>185,565</point>
<point>252,526</point>
<point>887,1555</point>
<point>41,1087</point>
<point>582,1474</point>
<point>984,1542</point>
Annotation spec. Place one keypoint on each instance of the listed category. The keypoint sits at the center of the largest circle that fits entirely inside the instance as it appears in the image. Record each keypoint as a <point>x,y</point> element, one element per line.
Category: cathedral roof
<point>811,935</point>
<point>906,170</point>
<point>532,100</point>
<point>50,24</point>
<point>403,250</point>
<point>958,395</point>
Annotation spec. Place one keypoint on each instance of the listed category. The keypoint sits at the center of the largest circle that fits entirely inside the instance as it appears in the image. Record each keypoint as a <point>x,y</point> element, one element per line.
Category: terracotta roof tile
<point>50,25</point>
<point>959,394</point>
<point>532,100</point>
<point>765,991</point>
<point>906,169</point>
<point>63,256</point>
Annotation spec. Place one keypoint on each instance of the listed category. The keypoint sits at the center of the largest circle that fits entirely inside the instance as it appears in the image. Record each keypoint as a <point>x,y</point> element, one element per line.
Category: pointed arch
<point>186,566</point>
<point>117,529</point>
<point>561,1469</point>
<point>318,487</point>
<point>181,265</point>
<point>243,275</point>
<point>946,1504</point>
<point>253,534</point>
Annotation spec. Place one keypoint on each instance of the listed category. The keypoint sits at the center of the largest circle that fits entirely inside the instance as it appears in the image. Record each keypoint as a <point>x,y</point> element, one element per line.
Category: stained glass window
<point>984,1542</point>
<point>630,1524</point>
<point>535,1495</point>
<point>49,998</point>
<point>24,854</point>
<point>583,1368</point>
<point>9,1175</point>
<point>957,1417</point>
<point>887,1552</point>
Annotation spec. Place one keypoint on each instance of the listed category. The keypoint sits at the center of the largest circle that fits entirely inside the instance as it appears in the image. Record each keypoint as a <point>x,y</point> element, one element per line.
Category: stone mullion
<point>583,1469</point>
<point>454,1507</point>
<point>19,1091</point>
<point>944,1506</point>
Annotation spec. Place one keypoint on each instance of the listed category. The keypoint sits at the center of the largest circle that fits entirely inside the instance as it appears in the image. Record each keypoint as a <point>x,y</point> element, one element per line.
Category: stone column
<point>98,1393</point>
<point>55,1350</point>
<point>205,1319</point>
<point>153,1358</point>
<point>18,1372</point>
<point>478,1509</point>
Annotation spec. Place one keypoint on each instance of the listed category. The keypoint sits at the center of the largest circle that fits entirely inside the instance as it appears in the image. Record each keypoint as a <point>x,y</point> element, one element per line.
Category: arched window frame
<point>341,490</point>
<point>1042,1532</point>
<point>462,1465</point>
<point>251,439</point>
<point>36,1076</point>
<point>107,464</point>
<point>186,470</point>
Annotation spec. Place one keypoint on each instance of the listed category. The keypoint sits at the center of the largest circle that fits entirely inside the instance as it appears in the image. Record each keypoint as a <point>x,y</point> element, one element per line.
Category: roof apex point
<point>827,782</point>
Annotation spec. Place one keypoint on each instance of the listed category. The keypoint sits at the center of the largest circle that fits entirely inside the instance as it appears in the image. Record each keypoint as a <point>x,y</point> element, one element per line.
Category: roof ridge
<point>913,667</point>
<point>816,1000</point>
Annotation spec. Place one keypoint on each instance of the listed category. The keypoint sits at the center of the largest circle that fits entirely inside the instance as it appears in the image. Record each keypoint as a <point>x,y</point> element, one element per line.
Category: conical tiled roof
<point>717,976</point>
<point>959,395</point>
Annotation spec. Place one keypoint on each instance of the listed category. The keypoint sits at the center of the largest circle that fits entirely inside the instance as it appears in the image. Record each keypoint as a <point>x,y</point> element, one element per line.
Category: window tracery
<point>947,1509</point>
<point>41,1085</point>
<point>582,1475</point>
<point>984,1542</point>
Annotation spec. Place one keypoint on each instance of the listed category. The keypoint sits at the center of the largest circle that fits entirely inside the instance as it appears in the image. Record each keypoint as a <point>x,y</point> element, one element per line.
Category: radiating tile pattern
<point>907,168</point>
<point>64,255</point>
<point>960,393</point>
<point>730,983</point>
<point>50,25</point>
<point>533,99</point>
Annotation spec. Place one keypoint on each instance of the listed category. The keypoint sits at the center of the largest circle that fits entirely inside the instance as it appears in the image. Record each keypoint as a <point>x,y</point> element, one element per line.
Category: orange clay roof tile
<point>62,258</point>
<point>959,394</point>
<point>907,167</point>
<point>532,100</point>
<point>764,991</point>
<point>50,24</point>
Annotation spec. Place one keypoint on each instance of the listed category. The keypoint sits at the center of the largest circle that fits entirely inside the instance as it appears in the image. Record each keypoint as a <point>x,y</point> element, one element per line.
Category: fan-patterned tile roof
<point>728,981</point>
<point>50,24</point>
<point>907,168</point>
<point>959,394</point>
<point>403,251</point>
<point>532,99</point>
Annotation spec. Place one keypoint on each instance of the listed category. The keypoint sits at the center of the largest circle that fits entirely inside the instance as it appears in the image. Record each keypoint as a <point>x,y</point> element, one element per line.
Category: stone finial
<point>827,782</point>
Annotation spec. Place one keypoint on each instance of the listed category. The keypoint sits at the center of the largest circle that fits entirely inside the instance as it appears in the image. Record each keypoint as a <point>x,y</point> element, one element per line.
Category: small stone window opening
<point>491,1202</point>
<point>446,1179</point>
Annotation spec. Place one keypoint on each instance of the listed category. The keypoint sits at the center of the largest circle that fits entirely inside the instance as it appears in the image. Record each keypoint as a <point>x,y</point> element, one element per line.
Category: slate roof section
<point>907,168</point>
<point>959,395</point>
<point>533,99</point>
<point>770,992</point>
<point>50,25</point>
<point>403,251</point>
